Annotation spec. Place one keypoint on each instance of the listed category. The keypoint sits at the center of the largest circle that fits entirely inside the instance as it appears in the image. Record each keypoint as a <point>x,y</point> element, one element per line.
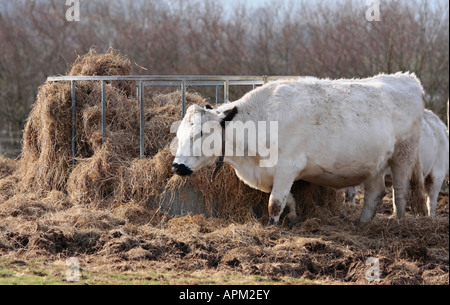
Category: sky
<point>250,3</point>
<point>257,3</point>
<point>253,3</point>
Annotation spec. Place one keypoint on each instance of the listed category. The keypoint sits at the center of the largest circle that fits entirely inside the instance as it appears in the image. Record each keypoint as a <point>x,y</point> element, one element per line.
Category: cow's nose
<point>181,169</point>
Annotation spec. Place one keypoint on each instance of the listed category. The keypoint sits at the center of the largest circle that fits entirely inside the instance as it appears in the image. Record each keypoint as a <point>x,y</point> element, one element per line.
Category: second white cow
<point>434,153</point>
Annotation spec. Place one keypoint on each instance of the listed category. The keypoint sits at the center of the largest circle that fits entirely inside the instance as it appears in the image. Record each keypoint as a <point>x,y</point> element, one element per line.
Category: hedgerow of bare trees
<point>318,38</point>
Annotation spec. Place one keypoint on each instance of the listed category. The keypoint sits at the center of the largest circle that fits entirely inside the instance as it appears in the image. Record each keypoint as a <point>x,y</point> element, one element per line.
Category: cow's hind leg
<point>433,187</point>
<point>408,179</point>
<point>375,191</point>
<point>400,191</point>
<point>350,194</point>
<point>292,215</point>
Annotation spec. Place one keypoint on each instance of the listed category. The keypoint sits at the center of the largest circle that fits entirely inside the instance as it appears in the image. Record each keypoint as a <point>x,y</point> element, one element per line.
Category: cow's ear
<point>209,107</point>
<point>228,116</point>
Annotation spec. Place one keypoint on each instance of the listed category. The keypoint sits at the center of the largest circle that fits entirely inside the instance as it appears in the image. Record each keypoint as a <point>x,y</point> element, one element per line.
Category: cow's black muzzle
<point>181,169</point>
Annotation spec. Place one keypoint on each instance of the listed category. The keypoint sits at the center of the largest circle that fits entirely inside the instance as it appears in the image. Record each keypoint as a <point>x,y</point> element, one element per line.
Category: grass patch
<point>40,272</point>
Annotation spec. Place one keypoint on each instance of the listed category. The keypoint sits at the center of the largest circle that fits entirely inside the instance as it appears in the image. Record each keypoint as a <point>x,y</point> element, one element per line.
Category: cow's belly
<point>337,181</point>
<point>342,175</point>
<point>338,168</point>
<point>342,163</point>
<point>256,177</point>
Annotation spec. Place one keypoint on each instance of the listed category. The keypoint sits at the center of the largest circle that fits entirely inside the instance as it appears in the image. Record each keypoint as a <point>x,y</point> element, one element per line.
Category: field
<point>115,215</point>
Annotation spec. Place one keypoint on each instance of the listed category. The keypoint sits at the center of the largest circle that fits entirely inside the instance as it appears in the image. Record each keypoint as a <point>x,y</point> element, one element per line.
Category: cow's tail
<point>417,197</point>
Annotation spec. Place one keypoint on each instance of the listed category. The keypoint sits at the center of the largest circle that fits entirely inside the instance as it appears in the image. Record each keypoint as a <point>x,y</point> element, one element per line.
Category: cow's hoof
<point>272,222</point>
<point>362,224</point>
<point>293,221</point>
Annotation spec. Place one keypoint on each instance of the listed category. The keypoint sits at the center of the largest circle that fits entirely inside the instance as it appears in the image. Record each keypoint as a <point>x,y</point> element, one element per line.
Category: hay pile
<point>7,166</point>
<point>103,175</point>
<point>7,181</point>
<point>46,162</point>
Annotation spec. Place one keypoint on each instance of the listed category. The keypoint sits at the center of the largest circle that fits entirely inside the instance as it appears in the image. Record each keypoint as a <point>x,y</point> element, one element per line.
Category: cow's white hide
<point>336,133</point>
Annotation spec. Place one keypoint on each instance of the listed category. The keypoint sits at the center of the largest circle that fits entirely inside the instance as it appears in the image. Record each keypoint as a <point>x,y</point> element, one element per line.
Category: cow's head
<point>200,139</point>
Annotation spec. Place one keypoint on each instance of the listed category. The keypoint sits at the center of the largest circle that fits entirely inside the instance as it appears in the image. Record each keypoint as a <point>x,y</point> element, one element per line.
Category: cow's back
<point>348,103</point>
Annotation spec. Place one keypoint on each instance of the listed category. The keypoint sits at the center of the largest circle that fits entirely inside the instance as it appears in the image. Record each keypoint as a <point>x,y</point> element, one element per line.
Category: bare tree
<point>323,39</point>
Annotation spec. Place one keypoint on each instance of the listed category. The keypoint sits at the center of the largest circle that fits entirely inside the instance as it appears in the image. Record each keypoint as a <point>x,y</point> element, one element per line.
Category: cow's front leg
<point>279,197</point>
<point>276,208</point>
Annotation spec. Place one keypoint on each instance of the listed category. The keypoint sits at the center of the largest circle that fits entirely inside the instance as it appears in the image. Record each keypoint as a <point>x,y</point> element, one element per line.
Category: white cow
<point>335,133</point>
<point>434,153</point>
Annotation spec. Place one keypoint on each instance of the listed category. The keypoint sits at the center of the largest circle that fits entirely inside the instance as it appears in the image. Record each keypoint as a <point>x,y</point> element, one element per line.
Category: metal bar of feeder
<point>226,91</point>
<point>183,98</point>
<point>217,95</point>
<point>163,83</point>
<point>169,78</point>
<point>74,111</point>
<point>103,112</point>
<point>141,120</point>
